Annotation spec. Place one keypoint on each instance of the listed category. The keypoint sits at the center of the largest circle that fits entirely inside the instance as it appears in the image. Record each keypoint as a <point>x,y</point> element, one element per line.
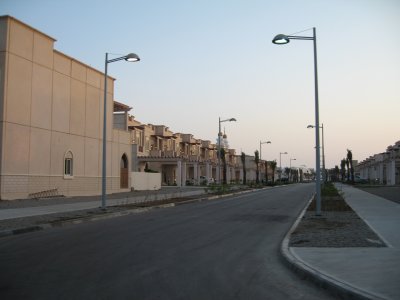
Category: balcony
<point>162,131</point>
<point>195,158</point>
<point>188,139</point>
<point>170,153</point>
<point>155,153</point>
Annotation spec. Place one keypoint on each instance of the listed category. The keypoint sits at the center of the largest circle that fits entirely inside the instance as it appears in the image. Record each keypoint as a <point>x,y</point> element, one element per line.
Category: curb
<point>335,286</point>
<point>79,220</point>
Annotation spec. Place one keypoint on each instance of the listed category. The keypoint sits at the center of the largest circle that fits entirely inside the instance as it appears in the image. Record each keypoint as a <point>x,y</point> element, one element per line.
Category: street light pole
<point>284,39</point>
<point>323,154</point>
<point>266,166</point>
<point>262,143</point>
<point>219,144</point>
<point>280,165</point>
<point>323,151</point>
<point>131,57</point>
<point>290,166</point>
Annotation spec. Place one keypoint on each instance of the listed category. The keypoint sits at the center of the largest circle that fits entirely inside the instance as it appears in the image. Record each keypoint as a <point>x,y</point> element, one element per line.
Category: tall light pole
<point>323,151</point>
<point>290,168</point>
<point>131,57</point>
<point>280,163</point>
<point>266,166</point>
<point>219,144</point>
<point>284,39</point>
<point>262,143</point>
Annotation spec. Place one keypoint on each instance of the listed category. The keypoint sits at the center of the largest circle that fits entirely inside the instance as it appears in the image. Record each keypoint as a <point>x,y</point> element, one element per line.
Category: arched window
<point>68,165</point>
<point>124,162</point>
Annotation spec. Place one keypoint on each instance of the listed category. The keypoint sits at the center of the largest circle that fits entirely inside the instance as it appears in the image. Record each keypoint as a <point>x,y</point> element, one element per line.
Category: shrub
<point>329,190</point>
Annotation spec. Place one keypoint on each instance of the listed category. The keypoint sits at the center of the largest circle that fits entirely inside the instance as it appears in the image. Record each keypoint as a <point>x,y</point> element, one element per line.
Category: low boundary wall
<point>143,181</point>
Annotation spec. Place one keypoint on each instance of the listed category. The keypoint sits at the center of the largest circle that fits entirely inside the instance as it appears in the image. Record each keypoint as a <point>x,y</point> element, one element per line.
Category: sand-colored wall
<point>52,104</point>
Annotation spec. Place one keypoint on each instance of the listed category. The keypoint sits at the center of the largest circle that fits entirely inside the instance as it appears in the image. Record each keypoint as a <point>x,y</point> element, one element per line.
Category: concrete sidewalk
<point>364,273</point>
<point>28,208</point>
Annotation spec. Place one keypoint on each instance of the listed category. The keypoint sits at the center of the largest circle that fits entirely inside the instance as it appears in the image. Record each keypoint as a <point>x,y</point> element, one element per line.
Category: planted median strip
<point>339,226</point>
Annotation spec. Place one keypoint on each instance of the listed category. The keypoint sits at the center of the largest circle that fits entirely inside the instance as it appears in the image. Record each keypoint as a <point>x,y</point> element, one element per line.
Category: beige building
<point>383,168</point>
<point>183,159</point>
<point>51,120</point>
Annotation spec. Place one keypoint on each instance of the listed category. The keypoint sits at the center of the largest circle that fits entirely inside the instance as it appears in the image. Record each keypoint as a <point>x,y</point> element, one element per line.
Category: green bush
<point>329,190</point>
<point>219,189</point>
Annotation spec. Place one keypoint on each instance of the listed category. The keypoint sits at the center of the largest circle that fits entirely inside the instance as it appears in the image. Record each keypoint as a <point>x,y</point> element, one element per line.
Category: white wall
<point>142,181</point>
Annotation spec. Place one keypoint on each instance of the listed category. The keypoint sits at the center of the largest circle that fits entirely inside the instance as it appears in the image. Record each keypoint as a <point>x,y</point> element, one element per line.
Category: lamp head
<point>132,57</point>
<point>280,39</point>
<point>232,119</point>
<point>310,126</point>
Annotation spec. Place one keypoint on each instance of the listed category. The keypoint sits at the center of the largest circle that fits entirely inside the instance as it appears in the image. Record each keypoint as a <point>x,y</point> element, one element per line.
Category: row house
<point>383,168</point>
<point>180,157</point>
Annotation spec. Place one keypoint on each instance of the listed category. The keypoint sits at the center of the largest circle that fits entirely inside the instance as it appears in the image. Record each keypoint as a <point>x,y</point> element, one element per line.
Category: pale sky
<point>204,59</point>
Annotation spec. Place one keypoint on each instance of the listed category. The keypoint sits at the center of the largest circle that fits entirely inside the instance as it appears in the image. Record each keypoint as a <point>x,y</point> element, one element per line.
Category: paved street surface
<point>221,249</point>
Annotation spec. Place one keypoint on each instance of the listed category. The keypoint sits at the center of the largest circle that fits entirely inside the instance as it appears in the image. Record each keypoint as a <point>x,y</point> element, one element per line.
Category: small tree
<point>287,172</point>
<point>266,172</point>
<point>243,159</point>
<point>272,164</point>
<point>348,169</point>
<point>257,161</point>
<point>336,172</point>
<point>350,159</point>
<point>343,169</point>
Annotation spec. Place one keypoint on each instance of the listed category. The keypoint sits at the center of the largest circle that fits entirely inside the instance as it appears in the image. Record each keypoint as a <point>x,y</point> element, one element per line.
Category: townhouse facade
<point>181,158</point>
<point>383,168</point>
<point>51,120</point>
<point>51,109</point>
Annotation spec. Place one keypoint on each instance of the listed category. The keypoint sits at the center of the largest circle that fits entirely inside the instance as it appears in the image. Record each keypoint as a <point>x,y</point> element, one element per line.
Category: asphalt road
<point>221,249</point>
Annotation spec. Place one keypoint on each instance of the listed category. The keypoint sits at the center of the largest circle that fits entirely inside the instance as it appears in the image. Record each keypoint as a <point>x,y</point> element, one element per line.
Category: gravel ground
<point>337,227</point>
<point>334,229</point>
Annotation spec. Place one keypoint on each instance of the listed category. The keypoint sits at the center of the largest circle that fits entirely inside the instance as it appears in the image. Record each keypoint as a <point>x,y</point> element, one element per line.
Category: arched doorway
<point>124,176</point>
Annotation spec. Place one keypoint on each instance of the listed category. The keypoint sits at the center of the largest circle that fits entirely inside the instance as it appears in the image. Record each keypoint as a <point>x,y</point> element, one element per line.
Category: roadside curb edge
<point>32,228</point>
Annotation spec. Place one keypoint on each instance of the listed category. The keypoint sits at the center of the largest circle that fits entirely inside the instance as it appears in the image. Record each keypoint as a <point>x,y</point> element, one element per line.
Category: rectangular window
<point>68,167</point>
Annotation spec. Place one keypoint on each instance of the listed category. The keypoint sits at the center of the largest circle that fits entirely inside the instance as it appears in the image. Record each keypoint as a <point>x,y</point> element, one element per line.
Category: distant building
<point>383,168</point>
